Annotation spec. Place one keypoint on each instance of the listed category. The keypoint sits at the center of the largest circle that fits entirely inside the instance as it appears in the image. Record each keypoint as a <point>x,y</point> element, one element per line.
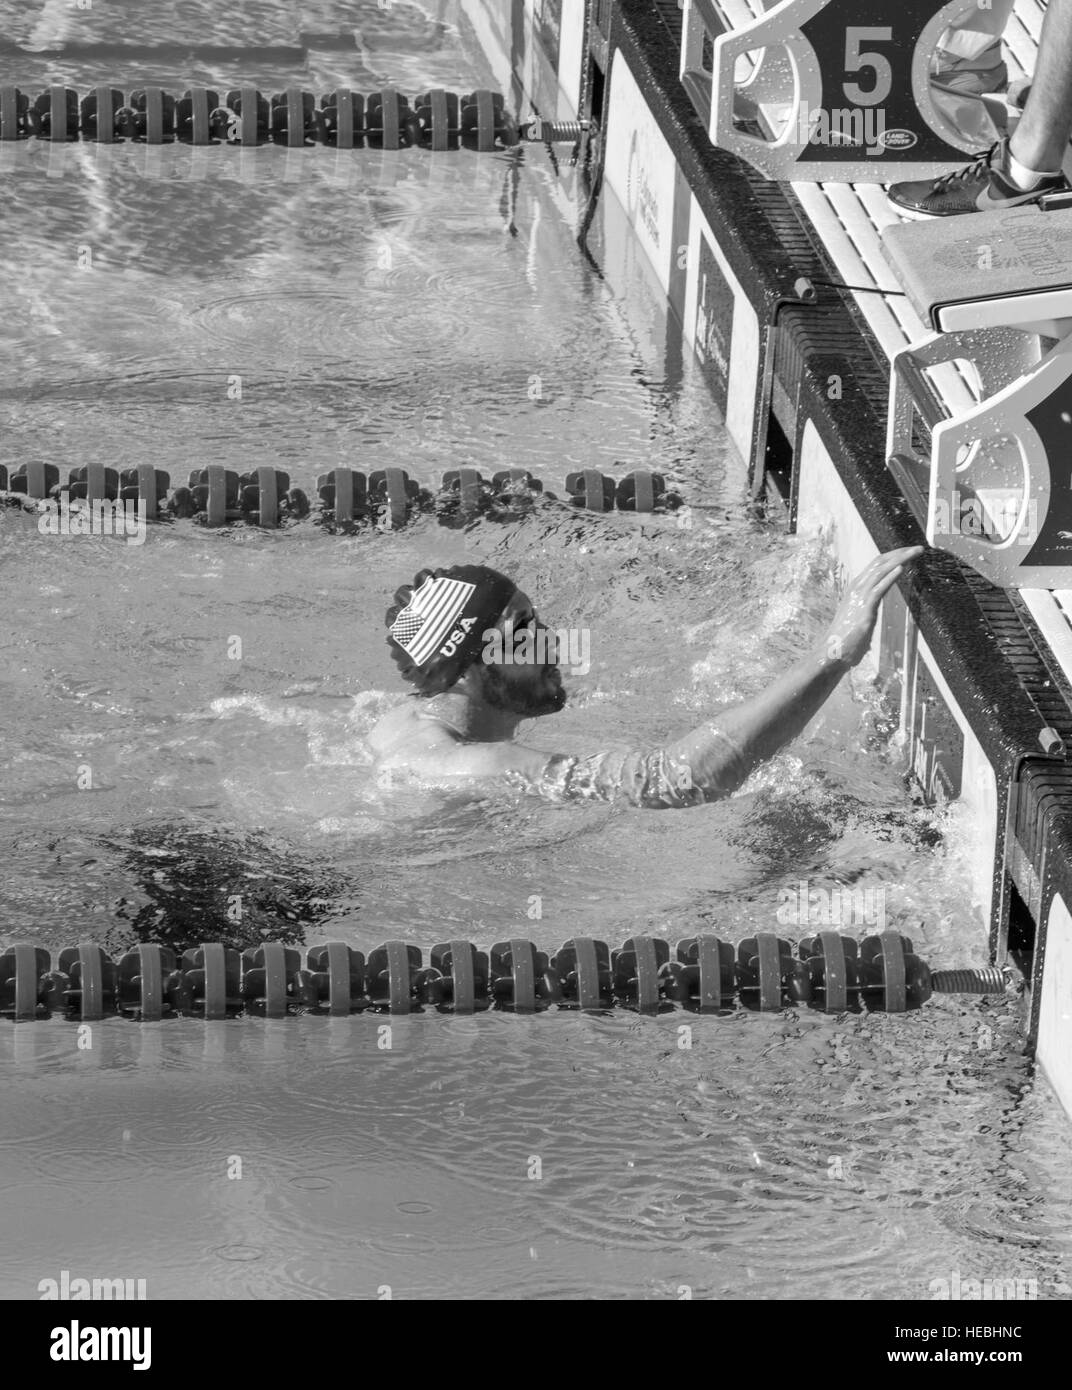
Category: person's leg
<point>1020,171</point>
<point>1040,140</point>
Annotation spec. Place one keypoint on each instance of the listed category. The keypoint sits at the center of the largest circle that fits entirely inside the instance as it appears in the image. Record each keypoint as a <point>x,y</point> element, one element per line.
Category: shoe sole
<point>918,215</point>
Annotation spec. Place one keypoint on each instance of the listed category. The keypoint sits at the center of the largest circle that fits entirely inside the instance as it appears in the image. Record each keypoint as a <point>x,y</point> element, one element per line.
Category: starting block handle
<point>1033,411</point>
<point>701,18</point>
<point>993,359</point>
<point>1010,450</point>
<point>780,28</point>
<point>911,391</point>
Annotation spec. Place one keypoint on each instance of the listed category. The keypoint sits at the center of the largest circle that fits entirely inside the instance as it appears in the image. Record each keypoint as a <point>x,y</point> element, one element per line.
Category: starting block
<point>827,90</point>
<point>980,419</point>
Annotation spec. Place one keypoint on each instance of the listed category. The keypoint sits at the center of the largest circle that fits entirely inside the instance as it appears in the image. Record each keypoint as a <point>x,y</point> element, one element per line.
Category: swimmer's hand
<point>854,622</point>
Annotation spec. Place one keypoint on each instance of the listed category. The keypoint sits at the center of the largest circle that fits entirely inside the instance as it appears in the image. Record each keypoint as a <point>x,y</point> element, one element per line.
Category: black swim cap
<point>436,626</point>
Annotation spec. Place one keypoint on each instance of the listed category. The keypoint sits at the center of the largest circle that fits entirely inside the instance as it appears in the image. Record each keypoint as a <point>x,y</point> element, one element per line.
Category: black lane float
<point>828,972</point>
<point>387,497</point>
<point>342,119</point>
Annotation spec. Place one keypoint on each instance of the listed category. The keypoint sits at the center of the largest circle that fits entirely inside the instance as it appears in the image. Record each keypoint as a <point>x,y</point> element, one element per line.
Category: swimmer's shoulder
<point>407,728</point>
<point>428,743</point>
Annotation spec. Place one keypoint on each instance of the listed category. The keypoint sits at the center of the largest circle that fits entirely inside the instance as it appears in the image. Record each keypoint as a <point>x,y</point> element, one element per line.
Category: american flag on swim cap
<point>430,616</point>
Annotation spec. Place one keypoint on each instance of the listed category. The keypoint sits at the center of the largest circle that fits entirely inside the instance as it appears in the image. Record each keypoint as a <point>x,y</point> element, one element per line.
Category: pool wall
<point>803,387</point>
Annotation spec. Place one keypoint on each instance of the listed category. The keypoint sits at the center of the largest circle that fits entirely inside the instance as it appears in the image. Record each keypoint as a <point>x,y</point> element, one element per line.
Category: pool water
<point>404,311</point>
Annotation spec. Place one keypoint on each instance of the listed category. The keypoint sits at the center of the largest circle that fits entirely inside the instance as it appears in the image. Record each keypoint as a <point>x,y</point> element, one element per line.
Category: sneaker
<point>982,186</point>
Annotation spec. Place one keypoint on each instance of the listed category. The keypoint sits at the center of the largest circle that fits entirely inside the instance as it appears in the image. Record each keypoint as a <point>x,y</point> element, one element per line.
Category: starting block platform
<point>993,270</point>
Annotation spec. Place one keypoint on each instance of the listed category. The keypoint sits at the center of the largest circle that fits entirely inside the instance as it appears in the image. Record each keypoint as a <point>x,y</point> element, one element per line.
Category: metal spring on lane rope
<point>985,979</point>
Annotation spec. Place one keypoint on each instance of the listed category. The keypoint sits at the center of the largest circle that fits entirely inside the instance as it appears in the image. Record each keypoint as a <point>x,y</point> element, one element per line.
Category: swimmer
<point>461,725</point>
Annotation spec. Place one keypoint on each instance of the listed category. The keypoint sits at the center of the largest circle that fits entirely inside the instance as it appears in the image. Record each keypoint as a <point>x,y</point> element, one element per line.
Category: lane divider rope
<point>829,972</point>
<point>346,498</point>
<point>343,119</point>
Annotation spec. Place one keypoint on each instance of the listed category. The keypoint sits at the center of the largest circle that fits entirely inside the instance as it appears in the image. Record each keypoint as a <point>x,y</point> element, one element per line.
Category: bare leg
<point>1041,138</point>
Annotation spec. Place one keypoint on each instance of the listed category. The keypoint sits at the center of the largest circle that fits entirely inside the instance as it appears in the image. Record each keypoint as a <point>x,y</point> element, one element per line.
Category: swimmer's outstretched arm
<point>762,725</point>
<point>710,762</point>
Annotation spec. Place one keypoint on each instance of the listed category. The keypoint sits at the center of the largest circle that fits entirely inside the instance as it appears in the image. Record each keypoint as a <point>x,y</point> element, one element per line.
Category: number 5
<point>855,34</point>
